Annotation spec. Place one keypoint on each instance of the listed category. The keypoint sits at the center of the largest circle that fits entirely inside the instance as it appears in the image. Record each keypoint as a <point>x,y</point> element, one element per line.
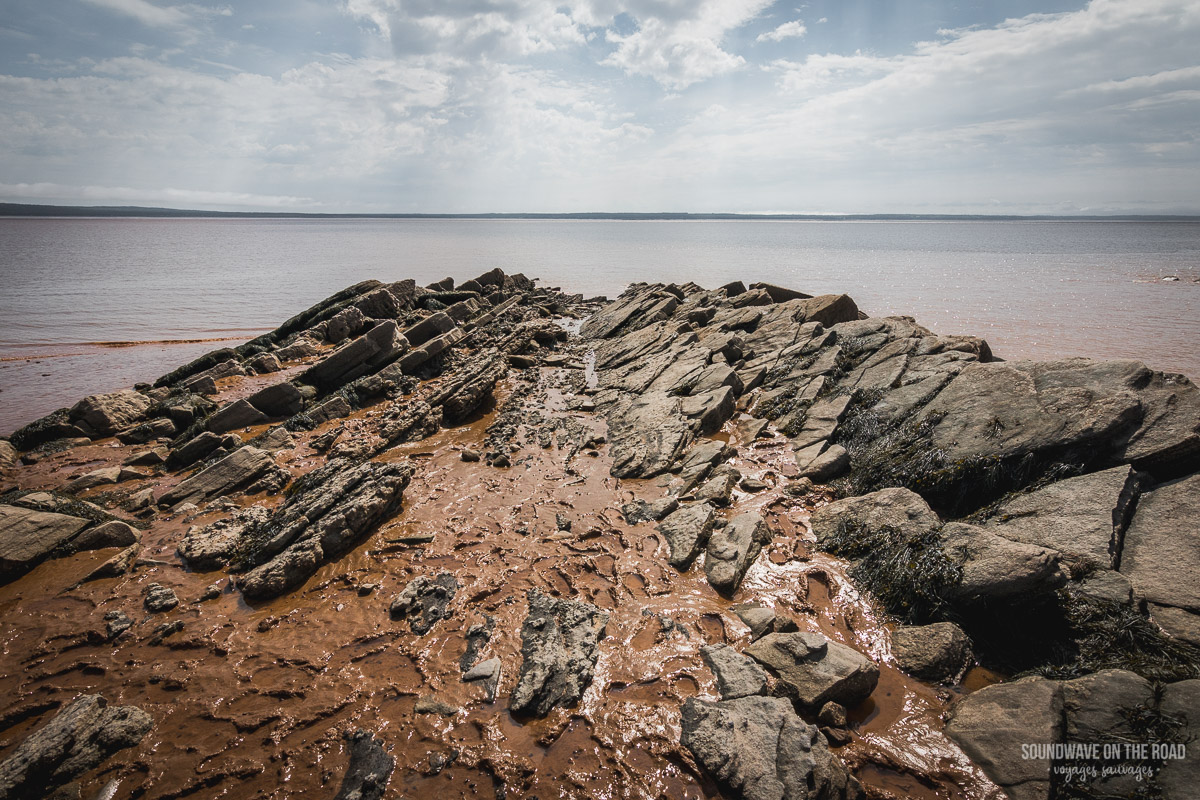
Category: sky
<point>471,106</point>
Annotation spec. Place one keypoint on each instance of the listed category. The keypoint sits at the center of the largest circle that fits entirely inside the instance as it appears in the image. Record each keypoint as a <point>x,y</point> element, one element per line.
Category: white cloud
<point>180,198</point>
<point>145,12</point>
<point>788,30</point>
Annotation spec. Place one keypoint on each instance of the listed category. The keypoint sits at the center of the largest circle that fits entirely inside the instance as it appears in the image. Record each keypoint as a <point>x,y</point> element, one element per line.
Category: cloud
<point>179,198</point>
<point>788,30</point>
<point>145,12</point>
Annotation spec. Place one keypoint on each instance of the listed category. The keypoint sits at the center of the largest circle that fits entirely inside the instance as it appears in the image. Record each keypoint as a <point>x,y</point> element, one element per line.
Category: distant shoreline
<point>142,212</point>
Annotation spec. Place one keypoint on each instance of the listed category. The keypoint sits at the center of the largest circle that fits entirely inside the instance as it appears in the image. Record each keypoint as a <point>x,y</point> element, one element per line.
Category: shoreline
<point>768,509</point>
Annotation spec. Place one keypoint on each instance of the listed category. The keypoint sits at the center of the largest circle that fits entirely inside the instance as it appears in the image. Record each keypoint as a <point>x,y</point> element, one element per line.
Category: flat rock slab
<point>80,736</point>
<point>231,416</point>
<point>1161,556</point>
<point>997,568</point>
<point>757,748</point>
<point>559,646</point>
<point>901,509</point>
<point>732,549</point>
<point>27,537</point>
<point>687,531</point>
<point>737,675</point>
<point>815,670</point>
<point>236,470</point>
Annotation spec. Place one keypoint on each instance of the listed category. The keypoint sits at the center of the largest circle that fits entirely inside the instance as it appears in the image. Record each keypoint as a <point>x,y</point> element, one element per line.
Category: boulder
<point>995,568</point>
<point>81,736</point>
<point>761,621</point>
<point>347,322</point>
<point>327,513</point>
<point>732,549</point>
<point>231,416</point>
<point>737,675</point>
<point>237,470</point>
<point>559,646</point>
<point>686,531</point>
<point>757,748</point>
<point>1161,556</point>
<point>198,447</point>
<point>370,768</point>
<point>54,426</point>
<point>113,533</point>
<point>992,724</point>
<point>8,455</point>
<point>821,462</point>
<point>937,653</point>
<point>901,509</point>
<point>105,414</point>
<point>814,670</point>
<point>278,400</point>
<point>28,537</point>
<point>424,602</point>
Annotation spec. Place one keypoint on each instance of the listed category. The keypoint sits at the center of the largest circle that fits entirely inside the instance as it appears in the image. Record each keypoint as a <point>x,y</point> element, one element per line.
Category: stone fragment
<point>737,675</point>
<point>160,598</point>
<point>559,646</point>
<point>237,470</point>
<point>938,653</point>
<point>815,670</point>
<point>732,549</point>
<point>105,414</point>
<point>370,768</point>
<point>28,537</point>
<point>425,602</point>
<point>687,530</point>
<point>278,400</point>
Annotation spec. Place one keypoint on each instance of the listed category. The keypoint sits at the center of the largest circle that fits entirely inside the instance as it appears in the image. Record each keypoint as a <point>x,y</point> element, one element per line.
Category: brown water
<point>1032,289</point>
<point>251,701</point>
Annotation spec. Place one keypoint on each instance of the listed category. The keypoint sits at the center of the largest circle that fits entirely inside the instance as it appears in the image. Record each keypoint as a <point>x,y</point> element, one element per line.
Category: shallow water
<point>1032,289</point>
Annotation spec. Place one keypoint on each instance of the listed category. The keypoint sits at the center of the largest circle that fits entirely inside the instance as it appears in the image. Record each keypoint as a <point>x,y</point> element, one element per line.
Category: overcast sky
<point>912,106</point>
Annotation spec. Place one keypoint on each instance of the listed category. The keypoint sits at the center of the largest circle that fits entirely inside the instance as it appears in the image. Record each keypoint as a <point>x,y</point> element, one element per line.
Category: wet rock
<point>116,624</point>
<point>484,670</point>
<point>718,489</point>
<point>264,363</point>
<point>471,385</point>
<point>105,414</point>
<point>114,567</point>
<point>164,630</point>
<point>468,455</point>
<point>737,675</point>
<point>81,736</point>
<point>410,421</point>
<point>278,400</point>
<point>54,426</point>
<point>1161,556</point>
<point>198,447</point>
<point>732,549</point>
<point>687,531</point>
<point>370,768</point>
<point>562,521</point>
<point>761,621</point>
<point>160,598</point>
<point>752,485</point>
<point>1083,517</point>
<point>992,724</point>
<point>28,537</point>
<point>641,511</point>
<point>212,546</point>
<point>148,458</point>
<point>327,513</point>
<point>211,592</point>
<point>113,533</point>
<point>832,715</point>
<point>815,670</point>
<point>277,439</point>
<point>425,602</point>
<point>334,408</point>
<point>559,646</point>
<point>237,470</point>
<point>160,428</point>
<point>757,748</point>
<point>91,480</point>
<point>647,435</point>
<point>995,568</point>
<point>937,653</point>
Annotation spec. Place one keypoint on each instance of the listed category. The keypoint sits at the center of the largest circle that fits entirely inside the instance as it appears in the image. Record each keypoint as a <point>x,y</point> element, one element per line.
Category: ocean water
<point>75,293</point>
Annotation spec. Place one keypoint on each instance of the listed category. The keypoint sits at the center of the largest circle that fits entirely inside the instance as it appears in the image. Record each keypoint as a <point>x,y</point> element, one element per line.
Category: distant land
<point>31,210</point>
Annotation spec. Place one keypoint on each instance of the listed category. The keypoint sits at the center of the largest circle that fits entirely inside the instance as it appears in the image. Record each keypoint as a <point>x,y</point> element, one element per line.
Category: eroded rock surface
<point>559,642</point>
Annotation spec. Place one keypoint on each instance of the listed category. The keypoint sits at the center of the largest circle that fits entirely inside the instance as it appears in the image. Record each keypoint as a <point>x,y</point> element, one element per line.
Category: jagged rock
<point>278,400</point>
<point>994,568</point>
<point>814,670</point>
<point>161,428</point>
<point>641,511</point>
<point>54,426</point>
<point>718,489</point>
<point>425,602</point>
<point>160,598</point>
<point>732,549</point>
<point>347,322</point>
<point>472,383</point>
<point>105,414</point>
<point>264,363</point>
<point>75,741</point>
<point>116,624</point>
<point>376,348</point>
<point>1083,517</point>
<point>1161,556</point>
<point>409,421</point>
<point>737,675</point>
<point>206,382</point>
<point>199,446</point>
<point>432,326</point>
<point>761,621</point>
<point>231,416</point>
<point>686,531</point>
<point>434,347</point>
<point>369,770</point>
<point>757,748</point>
<point>277,439</point>
<point>328,512</point>
<point>484,670</point>
<point>1106,585</point>
<point>211,546</point>
<point>148,458</point>
<point>28,537</point>
<point>113,533</point>
<point>833,715</point>
<point>235,471</point>
<point>302,347</point>
<point>335,407</point>
<point>559,646</point>
<point>821,462</point>
<point>938,653</point>
<point>992,724</point>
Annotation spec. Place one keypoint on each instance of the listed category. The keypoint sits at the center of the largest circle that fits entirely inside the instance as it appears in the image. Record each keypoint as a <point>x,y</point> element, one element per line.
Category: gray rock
<point>820,462</point>
<point>1106,585</point>
<point>832,715</point>
<point>327,513</point>
<point>814,670</point>
<point>1179,778</point>
<point>114,567</point>
<point>278,400</point>
<point>211,546</point>
<point>641,511</point>
<point>237,470</point>
<point>937,653</point>
<point>425,602</point>
<point>113,533</point>
<point>28,537</point>
<point>732,549</point>
<point>81,736</point>
<point>757,748</point>
<point>347,322</point>
<point>301,347</point>
<point>1161,556</point>
<point>160,598</point>
<point>264,363</point>
<point>370,768</point>
<point>376,348</point>
<point>116,623</point>
<point>737,675</point>
<point>472,383</point>
<point>1082,517</point>
<point>686,531</point>
<point>198,447</point>
<point>206,382</point>
<point>90,480</point>
<point>334,408</point>
<point>995,568</point>
<point>761,621</point>
<point>105,414</point>
<point>277,439</point>
<point>718,489</point>
<point>1177,623</point>
<point>432,326</point>
<point>559,646</point>
<point>160,428</point>
<point>483,670</point>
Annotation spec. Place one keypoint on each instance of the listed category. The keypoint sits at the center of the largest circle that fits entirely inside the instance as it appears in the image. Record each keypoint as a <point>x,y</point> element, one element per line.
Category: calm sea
<point>71,287</point>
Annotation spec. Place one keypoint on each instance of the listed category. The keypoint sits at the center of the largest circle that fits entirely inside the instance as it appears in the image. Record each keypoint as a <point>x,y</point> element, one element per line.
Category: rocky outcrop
<point>77,739</point>
<point>28,537</point>
<point>559,645</point>
<point>757,748</point>
<point>814,670</point>
<point>328,512</point>
<point>238,470</point>
<point>105,414</point>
